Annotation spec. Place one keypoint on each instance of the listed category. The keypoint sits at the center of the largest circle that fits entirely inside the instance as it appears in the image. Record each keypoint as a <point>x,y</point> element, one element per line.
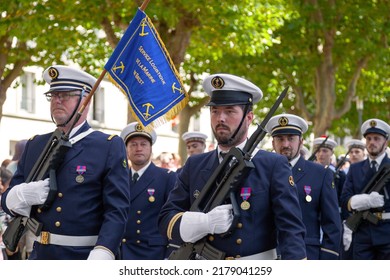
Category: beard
<point>224,138</point>
<point>288,153</point>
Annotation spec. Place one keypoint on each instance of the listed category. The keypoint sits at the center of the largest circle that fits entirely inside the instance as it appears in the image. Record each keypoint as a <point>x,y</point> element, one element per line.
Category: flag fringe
<point>173,112</point>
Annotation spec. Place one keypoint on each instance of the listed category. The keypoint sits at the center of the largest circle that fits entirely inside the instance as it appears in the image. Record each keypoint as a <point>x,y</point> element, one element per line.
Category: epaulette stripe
<point>111,136</point>
<point>172,224</point>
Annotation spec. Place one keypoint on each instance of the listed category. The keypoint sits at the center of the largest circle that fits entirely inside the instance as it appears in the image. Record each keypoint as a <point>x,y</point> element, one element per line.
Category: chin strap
<point>231,139</point>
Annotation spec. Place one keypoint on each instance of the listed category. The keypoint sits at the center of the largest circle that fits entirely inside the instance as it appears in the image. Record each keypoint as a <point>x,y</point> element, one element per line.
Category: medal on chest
<point>80,169</point>
<point>245,194</point>
<point>151,197</point>
<point>307,190</point>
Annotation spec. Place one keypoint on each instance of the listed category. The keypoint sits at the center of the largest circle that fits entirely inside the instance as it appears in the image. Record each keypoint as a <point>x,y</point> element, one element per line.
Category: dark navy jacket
<point>97,206</point>
<point>322,212</point>
<point>142,240</point>
<point>274,207</point>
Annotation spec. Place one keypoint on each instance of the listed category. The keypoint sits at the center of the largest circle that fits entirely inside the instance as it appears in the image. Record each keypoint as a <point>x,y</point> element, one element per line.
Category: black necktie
<point>373,166</point>
<point>135,177</point>
<point>222,154</point>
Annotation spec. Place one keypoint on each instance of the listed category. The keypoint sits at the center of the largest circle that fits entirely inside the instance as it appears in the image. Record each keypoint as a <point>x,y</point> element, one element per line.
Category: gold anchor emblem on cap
<point>138,128</point>
<point>283,121</point>
<point>53,73</point>
<point>373,123</point>
<point>217,82</point>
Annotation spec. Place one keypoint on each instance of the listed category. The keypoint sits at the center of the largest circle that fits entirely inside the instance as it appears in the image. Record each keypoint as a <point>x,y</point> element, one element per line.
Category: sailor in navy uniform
<point>324,157</point>
<point>268,200</point>
<point>370,241</point>
<point>195,142</point>
<point>149,188</point>
<point>356,150</point>
<point>317,194</point>
<point>88,215</point>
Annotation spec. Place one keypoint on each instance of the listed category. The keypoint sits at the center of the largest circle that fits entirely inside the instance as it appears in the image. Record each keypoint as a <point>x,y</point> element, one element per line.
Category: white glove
<point>101,254</point>
<point>365,201</point>
<point>347,237</point>
<point>195,225</point>
<point>21,197</point>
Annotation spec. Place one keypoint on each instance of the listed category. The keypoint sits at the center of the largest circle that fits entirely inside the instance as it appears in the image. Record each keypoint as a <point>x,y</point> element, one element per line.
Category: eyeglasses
<point>62,96</point>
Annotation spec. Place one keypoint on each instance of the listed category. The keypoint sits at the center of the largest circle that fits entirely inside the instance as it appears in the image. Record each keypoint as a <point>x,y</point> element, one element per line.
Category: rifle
<point>313,155</point>
<point>223,184</point>
<point>49,160</point>
<point>342,161</point>
<point>376,184</point>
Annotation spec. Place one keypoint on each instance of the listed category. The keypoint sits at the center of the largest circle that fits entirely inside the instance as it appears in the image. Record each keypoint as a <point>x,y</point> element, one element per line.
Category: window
<point>28,92</point>
<point>98,106</point>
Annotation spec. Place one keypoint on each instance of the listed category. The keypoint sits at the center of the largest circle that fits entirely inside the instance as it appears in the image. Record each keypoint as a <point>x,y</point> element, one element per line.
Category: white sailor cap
<point>305,151</point>
<point>65,78</point>
<point>194,136</point>
<point>355,143</point>
<point>135,129</point>
<point>286,124</point>
<point>330,143</point>
<point>375,126</point>
<point>227,89</point>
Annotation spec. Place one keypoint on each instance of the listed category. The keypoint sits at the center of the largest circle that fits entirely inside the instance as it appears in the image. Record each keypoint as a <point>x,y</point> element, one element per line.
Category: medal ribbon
<point>245,193</point>
<point>307,190</point>
<point>151,192</point>
<point>81,169</point>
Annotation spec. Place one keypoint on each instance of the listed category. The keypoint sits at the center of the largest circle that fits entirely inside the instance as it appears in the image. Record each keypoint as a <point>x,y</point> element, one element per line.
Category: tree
<point>332,52</point>
<point>31,33</point>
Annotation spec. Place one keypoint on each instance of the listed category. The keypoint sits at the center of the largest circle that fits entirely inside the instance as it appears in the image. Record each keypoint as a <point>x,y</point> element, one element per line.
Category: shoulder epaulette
<point>32,138</point>
<point>111,136</point>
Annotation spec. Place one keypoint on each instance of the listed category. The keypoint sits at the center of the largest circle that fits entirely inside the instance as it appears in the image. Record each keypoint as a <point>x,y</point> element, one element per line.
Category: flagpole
<point>95,86</point>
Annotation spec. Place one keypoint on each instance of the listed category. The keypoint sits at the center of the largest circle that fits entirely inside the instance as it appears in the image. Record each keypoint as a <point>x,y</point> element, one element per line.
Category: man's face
<point>62,105</point>
<point>195,147</point>
<point>287,145</point>
<point>324,156</point>
<point>356,155</point>
<point>139,151</point>
<point>375,144</point>
<point>224,122</point>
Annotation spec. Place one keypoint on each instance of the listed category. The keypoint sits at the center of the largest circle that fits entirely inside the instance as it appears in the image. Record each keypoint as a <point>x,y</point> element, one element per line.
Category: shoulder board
<point>111,136</point>
<point>32,138</point>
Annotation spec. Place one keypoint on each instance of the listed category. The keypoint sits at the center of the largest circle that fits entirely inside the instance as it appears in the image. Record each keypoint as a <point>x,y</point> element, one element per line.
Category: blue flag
<point>142,68</point>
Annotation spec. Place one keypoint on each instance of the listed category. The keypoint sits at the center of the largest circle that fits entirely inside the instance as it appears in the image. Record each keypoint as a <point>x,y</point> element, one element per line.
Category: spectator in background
<point>5,179</point>
<point>5,162</point>
<point>19,148</point>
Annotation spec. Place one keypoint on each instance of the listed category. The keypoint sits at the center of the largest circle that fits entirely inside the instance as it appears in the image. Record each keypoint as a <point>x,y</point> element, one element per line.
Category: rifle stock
<point>376,184</point>
<point>223,184</point>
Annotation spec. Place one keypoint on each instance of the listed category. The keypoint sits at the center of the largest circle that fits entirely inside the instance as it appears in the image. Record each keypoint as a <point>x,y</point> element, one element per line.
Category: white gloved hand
<point>21,197</point>
<point>347,237</point>
<point>101,254</point>
<point>365,201</point>
<point>195,225</point>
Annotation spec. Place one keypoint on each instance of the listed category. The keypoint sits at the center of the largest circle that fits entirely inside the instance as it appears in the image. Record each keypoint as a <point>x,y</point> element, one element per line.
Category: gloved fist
<point>195,225</point>
<point>21,197</point>
<point>347,237</point>
<point>365,201</point>
<point>101,254</point>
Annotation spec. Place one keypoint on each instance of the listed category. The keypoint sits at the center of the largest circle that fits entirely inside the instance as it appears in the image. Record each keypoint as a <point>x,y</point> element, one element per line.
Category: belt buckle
<point>378,215</point>
<point>45,237</point>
